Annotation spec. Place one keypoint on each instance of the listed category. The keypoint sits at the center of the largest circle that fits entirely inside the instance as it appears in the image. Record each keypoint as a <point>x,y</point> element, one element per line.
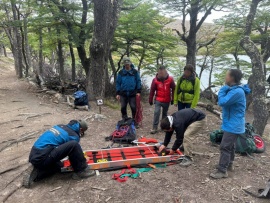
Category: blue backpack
<point>81,98</point>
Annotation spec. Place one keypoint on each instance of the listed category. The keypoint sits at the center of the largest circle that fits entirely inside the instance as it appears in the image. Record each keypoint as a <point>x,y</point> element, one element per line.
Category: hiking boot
<point>219,174</point>
<point>137,126</point>
<point>30,175</point>
<point>86,173</point>
<point>187,161</point>
<point>154,131</point>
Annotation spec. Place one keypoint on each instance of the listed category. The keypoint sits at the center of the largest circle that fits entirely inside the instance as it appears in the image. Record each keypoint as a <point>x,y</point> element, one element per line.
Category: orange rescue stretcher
<point>122,157</point>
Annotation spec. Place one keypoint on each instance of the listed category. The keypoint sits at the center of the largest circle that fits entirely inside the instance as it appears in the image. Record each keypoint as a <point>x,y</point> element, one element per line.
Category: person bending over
<point>52,146</point>
<point>186,123</point>
<point>232,99</point>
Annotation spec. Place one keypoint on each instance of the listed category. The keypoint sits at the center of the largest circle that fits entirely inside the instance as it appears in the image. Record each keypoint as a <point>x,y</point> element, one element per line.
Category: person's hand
<point>138,94</point>
<point>151,103</point>
<point>171,102</point>
<point>171,152</point>
<point>161,148</point>
<point>175,105</point>
<point>87,158</point>
<point>118,97</point>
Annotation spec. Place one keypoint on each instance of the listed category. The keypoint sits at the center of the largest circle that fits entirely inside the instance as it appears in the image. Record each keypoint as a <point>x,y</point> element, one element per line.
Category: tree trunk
<point>260,109</point>
<point>26,43</point>
<point>17,43</point>
<point>5,51</point>
<point>40,52</point>
<point>60,55</point>
<point>211,71</point>
<point>73,62</point>
<point>105,21</point>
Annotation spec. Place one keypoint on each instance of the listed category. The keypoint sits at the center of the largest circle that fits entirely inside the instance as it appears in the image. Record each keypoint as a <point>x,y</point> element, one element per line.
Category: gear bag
<point>125,132</point>
<point>81,98</point>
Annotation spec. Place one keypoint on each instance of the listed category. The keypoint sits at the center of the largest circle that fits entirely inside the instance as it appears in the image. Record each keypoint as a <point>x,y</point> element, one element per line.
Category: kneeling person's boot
<point>83,174</point>
<point>29,176</point>
<point>219,174</point>
<point>187,161</point>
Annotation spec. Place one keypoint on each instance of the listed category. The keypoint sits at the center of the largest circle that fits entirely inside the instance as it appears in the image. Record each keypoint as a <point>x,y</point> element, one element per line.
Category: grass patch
<point>112,104</point>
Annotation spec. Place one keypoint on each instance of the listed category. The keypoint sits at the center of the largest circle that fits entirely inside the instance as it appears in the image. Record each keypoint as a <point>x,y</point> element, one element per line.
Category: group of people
<point>63,140</point>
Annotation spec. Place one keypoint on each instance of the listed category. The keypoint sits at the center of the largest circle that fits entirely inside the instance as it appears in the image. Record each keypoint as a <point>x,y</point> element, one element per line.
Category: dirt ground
<point>25,114</point>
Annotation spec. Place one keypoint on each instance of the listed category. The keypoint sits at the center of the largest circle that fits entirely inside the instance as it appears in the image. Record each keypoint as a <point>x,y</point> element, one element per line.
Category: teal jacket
<point>233,103</point>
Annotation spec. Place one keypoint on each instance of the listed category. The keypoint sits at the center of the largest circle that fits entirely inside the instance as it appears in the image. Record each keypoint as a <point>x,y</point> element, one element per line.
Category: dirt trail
<point>25,114</point>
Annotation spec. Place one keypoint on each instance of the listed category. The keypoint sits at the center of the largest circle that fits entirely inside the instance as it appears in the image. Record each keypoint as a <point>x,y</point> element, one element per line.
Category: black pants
<point>125,100</point>
<point>227,151</point>
<point>52,164</point>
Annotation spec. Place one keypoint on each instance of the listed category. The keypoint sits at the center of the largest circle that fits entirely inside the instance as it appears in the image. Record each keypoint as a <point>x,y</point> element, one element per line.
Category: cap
<point>126,61</point>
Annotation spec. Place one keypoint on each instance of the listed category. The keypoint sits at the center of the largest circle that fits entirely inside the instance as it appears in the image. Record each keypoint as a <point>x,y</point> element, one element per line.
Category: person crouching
<point>52,146</point>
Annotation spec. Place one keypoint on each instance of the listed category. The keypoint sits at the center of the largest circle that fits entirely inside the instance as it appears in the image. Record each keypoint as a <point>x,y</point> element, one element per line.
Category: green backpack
<point>244,144</point>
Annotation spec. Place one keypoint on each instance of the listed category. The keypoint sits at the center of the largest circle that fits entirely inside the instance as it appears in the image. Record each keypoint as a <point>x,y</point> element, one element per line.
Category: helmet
<point>83,125</point>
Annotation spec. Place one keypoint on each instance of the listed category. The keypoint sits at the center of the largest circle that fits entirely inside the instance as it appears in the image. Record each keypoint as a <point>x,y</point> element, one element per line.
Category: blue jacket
<point>233,103</point>
<point>128,83</point>
<point>58,135</point>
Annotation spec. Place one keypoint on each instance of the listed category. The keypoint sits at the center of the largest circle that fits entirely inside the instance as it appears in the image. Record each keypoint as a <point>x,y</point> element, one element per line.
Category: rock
<point>99,117</point>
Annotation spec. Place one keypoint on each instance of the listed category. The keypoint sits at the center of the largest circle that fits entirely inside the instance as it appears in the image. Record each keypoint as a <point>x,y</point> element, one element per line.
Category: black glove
<point>151,103</point>
<point>171,102</point>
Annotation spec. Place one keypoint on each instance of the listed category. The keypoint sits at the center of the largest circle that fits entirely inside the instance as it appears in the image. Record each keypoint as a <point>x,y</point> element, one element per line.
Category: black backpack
<point>125,132</point>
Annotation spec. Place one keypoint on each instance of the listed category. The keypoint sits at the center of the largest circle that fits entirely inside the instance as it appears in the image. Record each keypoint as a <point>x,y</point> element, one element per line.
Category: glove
<point>151,103</point>
<point>171,102</point>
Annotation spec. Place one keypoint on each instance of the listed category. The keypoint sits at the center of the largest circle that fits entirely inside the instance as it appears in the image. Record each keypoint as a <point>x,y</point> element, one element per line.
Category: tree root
<point>21,139</point>
<point>210,108</point>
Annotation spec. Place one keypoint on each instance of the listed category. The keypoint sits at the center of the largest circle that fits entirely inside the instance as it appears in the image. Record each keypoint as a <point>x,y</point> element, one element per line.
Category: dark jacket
<point>164,89</point>
<point>52,138</point>
<point>181,120</point>
<point>128,83</point>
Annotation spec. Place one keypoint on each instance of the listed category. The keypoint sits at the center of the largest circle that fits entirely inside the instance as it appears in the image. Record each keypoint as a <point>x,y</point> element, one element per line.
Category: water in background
<point>147,79</point>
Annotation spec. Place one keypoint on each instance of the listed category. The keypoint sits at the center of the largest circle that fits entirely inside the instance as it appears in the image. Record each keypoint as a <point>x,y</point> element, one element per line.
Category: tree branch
<point>207,13</point>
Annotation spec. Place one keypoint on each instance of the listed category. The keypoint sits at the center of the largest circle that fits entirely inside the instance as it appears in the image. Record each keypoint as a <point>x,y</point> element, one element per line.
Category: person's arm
<point>152,91</point>
<point>197,91</point>
<point>180,130</point>
<point>118,84</point>
<point>176,92</point>
<point>74,137</point>
<point>227,97</point>
<point>138,82</point>
<point>167,138</point>
<point>173,89</point>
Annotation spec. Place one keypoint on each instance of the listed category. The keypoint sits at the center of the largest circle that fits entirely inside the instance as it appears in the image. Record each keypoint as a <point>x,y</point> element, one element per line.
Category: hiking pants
<point>183,105</point>
<point>125,100</point>
<point>190,135</point>
<point>158,106</point>
<point>227,151</point>
<point>52,164</point>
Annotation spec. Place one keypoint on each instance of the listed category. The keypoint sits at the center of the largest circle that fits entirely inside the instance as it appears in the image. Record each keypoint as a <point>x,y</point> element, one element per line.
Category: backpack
<point>81,98</point>
<point>245,144</point>
<point>125,132</point>
<point>193,81</point>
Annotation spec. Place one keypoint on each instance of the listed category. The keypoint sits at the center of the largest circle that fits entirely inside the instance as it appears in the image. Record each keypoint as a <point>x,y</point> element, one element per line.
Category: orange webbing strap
<point>147,140</point>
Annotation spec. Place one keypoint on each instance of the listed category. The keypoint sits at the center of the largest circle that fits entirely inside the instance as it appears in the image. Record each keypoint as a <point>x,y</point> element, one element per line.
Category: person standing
<point>186,123</point>
<point>128,85</point>
<point>162,88</point>
<point>187,91</point>
<point>232,99</point>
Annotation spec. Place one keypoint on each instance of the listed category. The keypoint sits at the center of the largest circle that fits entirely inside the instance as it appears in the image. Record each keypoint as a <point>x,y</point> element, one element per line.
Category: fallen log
<point>210,108</point>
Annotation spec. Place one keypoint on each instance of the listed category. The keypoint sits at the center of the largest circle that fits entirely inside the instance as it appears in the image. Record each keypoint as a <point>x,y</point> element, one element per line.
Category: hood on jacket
<point>245,87</point>
<point>74,125</point>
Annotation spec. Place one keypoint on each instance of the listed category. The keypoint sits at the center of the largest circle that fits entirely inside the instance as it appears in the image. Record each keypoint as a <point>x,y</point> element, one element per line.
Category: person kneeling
<point>186,123</point>
<point>52,146</point>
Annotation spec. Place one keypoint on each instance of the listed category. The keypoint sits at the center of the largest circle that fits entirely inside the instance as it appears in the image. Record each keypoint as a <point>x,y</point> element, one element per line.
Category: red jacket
<point>164,90</point>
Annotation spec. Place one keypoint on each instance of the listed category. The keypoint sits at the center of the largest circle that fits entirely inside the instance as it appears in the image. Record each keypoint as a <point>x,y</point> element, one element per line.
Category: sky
<point>213,16</point>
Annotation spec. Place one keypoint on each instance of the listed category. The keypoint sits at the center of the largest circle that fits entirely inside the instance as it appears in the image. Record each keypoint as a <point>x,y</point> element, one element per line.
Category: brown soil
<point>19,102</point>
